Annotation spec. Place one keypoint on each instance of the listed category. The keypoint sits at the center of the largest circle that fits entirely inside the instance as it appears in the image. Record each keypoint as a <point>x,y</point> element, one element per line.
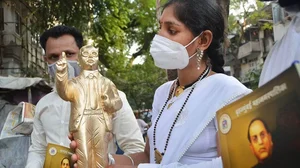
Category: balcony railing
<point>248,48</point>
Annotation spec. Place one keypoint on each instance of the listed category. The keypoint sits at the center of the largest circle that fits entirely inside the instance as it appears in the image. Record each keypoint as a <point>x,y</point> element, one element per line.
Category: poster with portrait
<point>58,157</point>
<point>262,129</point>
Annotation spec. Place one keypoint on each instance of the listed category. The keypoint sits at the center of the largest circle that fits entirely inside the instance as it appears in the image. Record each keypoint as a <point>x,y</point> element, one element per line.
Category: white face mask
<point>73,69</point>
<point>168,54</point>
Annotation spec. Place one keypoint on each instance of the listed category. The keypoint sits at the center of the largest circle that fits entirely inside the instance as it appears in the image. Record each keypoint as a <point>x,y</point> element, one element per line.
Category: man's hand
<point>62,63</point>
<point>73,146</point>
<point>74,158</point>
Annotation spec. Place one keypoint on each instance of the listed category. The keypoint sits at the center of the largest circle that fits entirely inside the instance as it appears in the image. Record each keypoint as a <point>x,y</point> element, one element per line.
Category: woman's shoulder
<point>226,80</point>
<point>226,84</point>
<point>224,88</point>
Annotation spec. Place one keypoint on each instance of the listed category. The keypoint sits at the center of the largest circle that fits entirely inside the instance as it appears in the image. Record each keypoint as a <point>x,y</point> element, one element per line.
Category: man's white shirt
<point>51,125</point>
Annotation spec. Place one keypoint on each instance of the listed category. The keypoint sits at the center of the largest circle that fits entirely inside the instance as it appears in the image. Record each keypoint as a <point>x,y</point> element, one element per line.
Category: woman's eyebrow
<point>170,23</point>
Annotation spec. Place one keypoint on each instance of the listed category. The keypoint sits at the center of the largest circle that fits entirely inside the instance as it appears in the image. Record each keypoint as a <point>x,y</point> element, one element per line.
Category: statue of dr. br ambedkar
<point>94,99</point>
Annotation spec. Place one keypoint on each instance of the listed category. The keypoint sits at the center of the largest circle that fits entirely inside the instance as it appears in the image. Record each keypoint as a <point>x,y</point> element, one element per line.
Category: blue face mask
<point>73,69</point>
<point>75,66</point>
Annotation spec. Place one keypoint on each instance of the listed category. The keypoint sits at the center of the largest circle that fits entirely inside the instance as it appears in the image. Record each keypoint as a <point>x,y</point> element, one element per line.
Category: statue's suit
<point>94,99</point>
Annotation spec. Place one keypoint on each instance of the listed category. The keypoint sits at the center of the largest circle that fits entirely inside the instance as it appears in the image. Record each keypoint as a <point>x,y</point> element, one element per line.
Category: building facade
<point>253,52</point>
<point>258,42</point>
<point>246,59</point>
<point>20,52</point>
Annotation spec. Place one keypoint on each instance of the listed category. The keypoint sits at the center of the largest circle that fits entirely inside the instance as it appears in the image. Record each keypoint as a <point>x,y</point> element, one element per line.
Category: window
<point>18,23</point>
<point>1,19</point>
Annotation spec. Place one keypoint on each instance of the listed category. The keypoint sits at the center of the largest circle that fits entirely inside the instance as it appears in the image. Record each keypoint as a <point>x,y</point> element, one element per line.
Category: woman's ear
<point>205,40</point>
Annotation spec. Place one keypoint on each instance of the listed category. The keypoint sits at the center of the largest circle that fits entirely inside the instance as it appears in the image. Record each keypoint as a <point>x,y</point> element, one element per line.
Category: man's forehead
<point>60,44</point>
<point>59,50</point>
<point>257,125</point>
<point>64,39</point>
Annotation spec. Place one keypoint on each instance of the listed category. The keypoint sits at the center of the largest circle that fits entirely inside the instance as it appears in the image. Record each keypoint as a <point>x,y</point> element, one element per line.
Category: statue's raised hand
<point>62,63</point>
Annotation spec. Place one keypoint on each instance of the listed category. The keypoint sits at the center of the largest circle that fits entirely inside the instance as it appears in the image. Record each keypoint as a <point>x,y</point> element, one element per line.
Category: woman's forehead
<point>168,17</point>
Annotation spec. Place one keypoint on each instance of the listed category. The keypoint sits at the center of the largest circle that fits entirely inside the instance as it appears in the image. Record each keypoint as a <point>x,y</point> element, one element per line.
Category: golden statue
<point>94,99</point>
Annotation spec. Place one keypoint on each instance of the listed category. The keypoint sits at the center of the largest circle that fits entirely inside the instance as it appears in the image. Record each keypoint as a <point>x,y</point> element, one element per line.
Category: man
<point>285,51</point>
<point>52,114</point>
<point>261,143</point>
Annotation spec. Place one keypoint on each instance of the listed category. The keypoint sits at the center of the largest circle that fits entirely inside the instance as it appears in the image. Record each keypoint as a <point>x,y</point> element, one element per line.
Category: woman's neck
<point>190,74</point>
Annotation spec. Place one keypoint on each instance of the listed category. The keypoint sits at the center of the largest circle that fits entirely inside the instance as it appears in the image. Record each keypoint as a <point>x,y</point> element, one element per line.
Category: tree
<point>115,27</point>
<point>139,82</point>
<point>243,15</point>
<point>253,77</point>
<point>225,7</point>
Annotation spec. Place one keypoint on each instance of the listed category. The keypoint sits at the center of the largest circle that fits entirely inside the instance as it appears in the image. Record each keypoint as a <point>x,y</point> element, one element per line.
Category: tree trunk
<point>225,9</point>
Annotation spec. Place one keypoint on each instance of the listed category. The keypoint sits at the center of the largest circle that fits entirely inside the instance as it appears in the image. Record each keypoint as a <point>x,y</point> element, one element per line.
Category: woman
<point>184,131</point>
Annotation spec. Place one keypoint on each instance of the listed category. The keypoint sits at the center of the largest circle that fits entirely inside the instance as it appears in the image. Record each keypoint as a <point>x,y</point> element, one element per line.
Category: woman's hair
<point>201,15</point>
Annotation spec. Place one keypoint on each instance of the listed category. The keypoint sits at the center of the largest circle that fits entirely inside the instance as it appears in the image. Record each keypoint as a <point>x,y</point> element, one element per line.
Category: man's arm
<point>110,97</point>
<point>37,150</point>
<point>144,124</point>
<point>126,129</point>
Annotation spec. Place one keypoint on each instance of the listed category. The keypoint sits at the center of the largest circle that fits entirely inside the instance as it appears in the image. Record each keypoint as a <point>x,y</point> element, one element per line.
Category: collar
<point>90,74</point>
<point>54,89</point>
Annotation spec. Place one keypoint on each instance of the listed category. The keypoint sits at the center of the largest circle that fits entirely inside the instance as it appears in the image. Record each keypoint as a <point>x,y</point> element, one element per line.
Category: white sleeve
<point>144,124</point>
<point>214,163</point>
<point>126,129</point>
<point>37,150</point>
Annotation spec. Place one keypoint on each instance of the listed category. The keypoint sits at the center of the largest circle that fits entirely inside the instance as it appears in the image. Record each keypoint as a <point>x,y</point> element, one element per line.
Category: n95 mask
<point>168,54</point>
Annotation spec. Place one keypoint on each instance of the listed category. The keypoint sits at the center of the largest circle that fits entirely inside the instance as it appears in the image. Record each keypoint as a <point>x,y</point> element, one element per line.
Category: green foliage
<point>267,26</point>
<point>115,27</point>
<point>243,14</point>
<point>253,78</point>
<point>139,82</point>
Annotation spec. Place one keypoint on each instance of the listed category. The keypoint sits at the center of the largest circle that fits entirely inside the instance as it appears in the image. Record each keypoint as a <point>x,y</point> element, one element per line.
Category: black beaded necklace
<point>180,88</point>
<point>158,155</point>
